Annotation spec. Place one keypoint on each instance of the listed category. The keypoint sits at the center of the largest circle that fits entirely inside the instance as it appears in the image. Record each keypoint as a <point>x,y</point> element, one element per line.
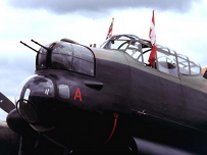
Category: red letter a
<point>78,95</point>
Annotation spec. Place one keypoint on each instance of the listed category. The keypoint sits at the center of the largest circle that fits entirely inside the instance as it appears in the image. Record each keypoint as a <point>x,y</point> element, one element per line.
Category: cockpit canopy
<point>66,56</point>
<point>167,60</point>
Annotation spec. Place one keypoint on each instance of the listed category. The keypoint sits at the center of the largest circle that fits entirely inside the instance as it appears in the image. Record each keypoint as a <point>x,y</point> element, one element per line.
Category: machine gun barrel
<point>39,44</point>
<point>29,47</point>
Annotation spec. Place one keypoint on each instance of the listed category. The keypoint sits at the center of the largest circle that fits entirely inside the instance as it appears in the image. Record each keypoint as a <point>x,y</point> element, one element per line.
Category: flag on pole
<point>110,29</point>
<point>152,37</point>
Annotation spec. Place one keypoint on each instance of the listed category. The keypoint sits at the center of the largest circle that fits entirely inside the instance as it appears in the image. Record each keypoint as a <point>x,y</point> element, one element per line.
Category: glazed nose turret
<point>35,102</point>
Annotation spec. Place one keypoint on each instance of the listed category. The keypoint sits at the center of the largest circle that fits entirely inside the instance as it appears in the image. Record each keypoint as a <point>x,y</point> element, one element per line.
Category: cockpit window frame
<point>144,46</point>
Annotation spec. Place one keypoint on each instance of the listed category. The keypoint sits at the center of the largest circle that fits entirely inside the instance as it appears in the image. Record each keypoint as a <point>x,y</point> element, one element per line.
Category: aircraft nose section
<point>36,91</point>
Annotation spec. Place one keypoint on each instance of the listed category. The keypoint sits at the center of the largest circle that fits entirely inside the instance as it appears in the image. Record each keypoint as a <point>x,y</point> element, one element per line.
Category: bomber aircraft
<point>108,100</point>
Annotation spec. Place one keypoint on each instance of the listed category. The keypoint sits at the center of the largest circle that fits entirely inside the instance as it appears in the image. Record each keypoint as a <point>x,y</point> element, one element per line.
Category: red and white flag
<point>152,37</point>
<point>110,29</point>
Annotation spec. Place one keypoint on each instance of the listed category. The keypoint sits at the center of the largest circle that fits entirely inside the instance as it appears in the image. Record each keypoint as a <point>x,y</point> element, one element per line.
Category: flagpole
<point>109,34</point>
<point>152,36</point>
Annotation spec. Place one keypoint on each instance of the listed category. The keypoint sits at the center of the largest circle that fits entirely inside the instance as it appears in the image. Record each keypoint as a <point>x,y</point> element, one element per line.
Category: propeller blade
<point>5,103</point>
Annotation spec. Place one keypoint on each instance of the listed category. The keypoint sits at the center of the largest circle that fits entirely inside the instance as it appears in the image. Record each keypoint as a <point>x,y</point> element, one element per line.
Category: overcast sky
<point>180,25</point>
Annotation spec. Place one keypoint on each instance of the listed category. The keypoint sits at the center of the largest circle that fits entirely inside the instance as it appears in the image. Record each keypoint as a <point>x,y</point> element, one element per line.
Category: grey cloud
<point>66,6</point>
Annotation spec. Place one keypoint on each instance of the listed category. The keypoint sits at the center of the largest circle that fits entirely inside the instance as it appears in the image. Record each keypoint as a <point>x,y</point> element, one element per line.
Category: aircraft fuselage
<point>112,99</point>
